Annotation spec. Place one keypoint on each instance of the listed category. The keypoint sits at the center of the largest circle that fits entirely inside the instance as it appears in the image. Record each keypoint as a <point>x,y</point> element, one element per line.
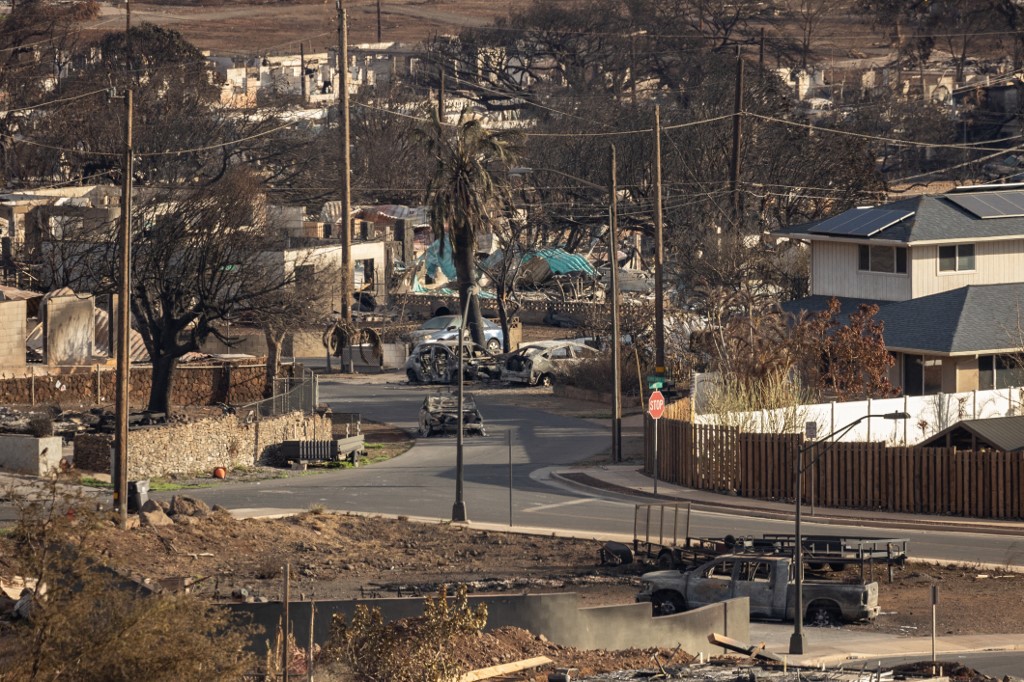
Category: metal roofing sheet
<point>1002,433</point>
<point>562,262</point>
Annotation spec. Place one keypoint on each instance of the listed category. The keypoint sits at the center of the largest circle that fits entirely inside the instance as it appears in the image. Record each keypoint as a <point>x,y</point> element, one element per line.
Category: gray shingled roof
<point>935,218</point>
<point>1001,433</point>
<point>980,318</point>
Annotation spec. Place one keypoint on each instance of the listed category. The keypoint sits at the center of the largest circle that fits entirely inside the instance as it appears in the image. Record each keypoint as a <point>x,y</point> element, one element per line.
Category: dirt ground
<point>339,556</point>
<point>244,28</point>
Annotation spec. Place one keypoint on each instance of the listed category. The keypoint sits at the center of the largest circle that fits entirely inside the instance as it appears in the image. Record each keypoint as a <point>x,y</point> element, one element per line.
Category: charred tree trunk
<point>160,388</point>
<point>501,293</point>
<point>275,340</point>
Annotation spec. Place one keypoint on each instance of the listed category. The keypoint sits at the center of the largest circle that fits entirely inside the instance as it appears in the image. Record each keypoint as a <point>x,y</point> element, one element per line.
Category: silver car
<point>446,327</point>
<point>541,362</point>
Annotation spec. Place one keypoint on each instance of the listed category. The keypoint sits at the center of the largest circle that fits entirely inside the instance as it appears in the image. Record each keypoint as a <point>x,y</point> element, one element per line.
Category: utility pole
<point>123,371</point>
<point>302,71</point>
<point>659,252</point>
<point>737,138</point>
<point>346,168</point>
<point>760,52</point>
<point>379,39</point>
<point>440,94</point>
<point>613,264</point>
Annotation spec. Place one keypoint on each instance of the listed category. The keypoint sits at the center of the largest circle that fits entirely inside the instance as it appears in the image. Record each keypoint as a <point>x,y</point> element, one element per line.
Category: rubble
<point>183,505</point>
<point>152,514</point>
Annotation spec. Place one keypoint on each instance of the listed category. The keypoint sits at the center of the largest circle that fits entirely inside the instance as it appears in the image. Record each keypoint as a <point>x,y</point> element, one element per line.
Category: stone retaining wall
<point>94,385</point>
<point>200,446</point>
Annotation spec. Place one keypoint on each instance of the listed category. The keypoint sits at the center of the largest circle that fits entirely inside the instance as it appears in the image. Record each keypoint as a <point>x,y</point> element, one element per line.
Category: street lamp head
<point>894,416</point>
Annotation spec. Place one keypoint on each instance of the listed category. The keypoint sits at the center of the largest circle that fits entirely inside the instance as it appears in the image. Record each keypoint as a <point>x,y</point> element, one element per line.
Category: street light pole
<point>798,641</point>
<point>459,513</point>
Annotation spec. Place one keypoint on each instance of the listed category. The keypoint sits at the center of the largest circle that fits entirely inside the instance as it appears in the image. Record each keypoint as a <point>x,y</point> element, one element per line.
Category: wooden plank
<point>907,472</point>
<point>978,479</point>
<point>504,669</point>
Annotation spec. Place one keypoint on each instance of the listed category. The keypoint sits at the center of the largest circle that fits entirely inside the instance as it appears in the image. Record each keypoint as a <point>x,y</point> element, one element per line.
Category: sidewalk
<point>831,646</point>
<point>627,478</point>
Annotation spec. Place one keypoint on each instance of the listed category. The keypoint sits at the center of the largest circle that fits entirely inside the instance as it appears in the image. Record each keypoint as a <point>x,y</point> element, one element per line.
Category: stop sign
<point>656,405</point>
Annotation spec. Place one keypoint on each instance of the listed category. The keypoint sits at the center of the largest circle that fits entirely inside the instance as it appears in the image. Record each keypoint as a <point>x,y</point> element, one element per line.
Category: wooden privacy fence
<point>982,483</point>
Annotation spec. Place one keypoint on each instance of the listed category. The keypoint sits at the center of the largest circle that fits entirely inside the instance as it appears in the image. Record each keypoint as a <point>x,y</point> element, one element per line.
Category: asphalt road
<point>422,481</point>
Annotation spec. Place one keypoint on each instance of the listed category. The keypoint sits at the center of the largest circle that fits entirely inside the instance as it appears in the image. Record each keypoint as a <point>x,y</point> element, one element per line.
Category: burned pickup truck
<point>440,414</point>
<point>769,582</point>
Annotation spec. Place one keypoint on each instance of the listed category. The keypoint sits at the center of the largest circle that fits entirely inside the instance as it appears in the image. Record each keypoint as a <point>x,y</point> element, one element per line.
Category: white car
<point>540,362</point>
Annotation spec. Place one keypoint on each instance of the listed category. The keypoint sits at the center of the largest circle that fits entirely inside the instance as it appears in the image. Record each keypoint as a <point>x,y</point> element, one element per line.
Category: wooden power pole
<point>123,371</point>
<point>659,252</point>
<point>124,315</point>
<point>737,138</point>
<point>346,168</point>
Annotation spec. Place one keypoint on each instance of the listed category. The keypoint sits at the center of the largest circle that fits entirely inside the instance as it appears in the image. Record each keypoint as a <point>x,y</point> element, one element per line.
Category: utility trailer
<point>661,533</point>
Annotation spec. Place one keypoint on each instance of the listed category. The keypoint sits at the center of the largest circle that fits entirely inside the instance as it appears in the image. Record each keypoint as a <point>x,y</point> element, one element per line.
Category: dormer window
<point>891,259</point>
<point>956,258</point>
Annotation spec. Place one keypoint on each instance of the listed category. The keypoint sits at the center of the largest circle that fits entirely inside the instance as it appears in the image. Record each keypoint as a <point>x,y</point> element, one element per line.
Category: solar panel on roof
<point>860,222</point>
<point>985,205</point>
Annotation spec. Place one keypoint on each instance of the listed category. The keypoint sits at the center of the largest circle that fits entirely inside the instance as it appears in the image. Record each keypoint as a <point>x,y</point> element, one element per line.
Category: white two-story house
<point>947,273</point>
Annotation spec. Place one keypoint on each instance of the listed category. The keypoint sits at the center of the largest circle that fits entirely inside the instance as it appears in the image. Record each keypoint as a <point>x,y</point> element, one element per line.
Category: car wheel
<point>494,345</point>
<point>823,614</point>
<point>665,560</point>
<point>667,603</point>
<point>411,375</point>
<point>546,380</point>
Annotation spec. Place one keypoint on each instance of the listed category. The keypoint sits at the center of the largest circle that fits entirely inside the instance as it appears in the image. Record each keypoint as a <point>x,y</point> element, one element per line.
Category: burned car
<point>540,363</point>
<point>437,362</point>
<point>440,414</point>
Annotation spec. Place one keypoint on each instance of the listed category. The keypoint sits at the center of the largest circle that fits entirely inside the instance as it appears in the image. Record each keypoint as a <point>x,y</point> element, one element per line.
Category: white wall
<point>834,273</point>
<point>929,415</point>
<point>995,262</point>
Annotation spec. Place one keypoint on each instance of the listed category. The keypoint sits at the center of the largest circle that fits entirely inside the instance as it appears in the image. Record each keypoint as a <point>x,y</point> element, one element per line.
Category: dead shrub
<point>89,624</point>
<point>408,650</point>
<point>595,374</point>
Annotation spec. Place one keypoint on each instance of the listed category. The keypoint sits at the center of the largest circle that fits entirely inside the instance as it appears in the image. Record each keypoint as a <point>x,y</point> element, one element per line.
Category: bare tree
<point>37,41</point>
<point>199,261</point>
<point>808,15</point>
<point>300,304</point>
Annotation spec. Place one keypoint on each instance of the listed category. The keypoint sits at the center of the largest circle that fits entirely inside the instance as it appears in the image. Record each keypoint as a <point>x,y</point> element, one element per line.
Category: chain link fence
<point>291,394</point>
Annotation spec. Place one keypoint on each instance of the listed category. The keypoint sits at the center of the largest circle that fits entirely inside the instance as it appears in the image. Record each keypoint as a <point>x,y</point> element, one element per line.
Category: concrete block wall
<point>12,334</point>
<point>70,330</point>
<point>557,616</point>
<point>229,441</point>
<point>29,455</point>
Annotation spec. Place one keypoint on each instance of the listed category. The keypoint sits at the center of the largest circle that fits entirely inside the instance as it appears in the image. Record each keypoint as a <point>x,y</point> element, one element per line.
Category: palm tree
<point>462,194</point>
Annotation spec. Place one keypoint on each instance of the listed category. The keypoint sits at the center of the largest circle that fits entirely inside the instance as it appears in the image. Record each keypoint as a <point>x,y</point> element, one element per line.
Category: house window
<point>956,258</point>
<point>892,259</point>
<point>921,375</point>
<point>999,371</point>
